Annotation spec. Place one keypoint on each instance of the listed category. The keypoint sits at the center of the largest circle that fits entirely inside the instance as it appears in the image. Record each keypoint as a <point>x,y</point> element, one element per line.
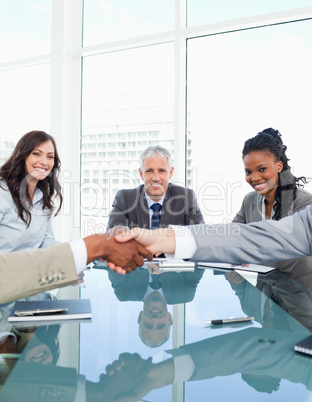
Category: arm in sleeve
<point>241,352</point>
<point>256,242</point>
<point>26,273</point>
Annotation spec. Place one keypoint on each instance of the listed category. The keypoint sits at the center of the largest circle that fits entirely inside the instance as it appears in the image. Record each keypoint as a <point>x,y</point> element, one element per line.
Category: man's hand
<point>122,376</point>
<point>128,256</point>
<point>156,241</point>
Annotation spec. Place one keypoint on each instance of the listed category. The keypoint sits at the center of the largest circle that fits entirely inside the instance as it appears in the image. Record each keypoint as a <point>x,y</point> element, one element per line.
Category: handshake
<point>125,249</point>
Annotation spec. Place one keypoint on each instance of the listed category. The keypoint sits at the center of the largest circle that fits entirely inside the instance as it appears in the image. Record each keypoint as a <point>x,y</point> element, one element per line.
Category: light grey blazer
<point>256,242</point>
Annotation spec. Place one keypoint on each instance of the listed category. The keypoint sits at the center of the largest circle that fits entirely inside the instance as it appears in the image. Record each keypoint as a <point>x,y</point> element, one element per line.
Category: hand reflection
<point>141,377</point>
<point>122,376</point>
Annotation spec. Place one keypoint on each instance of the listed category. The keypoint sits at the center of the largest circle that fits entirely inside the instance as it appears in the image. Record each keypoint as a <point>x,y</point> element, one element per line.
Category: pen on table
<point>24,313</point>
<point>229,320</point>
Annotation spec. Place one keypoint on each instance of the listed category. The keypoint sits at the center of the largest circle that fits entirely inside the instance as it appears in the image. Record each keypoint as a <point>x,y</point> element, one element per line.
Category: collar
<point>150,202</point>
<point>38,195</point>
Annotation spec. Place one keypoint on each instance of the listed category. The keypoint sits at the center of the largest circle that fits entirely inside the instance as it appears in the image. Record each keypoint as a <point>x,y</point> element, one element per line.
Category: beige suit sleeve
<point>26,273</point>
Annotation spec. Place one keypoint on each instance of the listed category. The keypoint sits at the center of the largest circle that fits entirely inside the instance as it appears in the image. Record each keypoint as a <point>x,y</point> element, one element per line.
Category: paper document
<point>261,269</point>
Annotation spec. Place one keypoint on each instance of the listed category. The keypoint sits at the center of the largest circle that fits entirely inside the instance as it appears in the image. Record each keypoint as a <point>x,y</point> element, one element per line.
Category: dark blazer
<point>179,208</point>
<point>177,287</point>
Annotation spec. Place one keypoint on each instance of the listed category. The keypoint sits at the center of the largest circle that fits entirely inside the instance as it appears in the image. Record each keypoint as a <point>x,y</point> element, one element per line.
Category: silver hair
<point>155,151</point>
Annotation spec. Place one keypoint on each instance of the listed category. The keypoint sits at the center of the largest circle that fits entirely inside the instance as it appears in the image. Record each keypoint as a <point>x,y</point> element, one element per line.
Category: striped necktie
<point>156,215</point>
<point>155,284</point>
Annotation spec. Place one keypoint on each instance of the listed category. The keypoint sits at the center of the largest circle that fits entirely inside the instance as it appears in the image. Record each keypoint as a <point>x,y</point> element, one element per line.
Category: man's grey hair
<point>157,150</point>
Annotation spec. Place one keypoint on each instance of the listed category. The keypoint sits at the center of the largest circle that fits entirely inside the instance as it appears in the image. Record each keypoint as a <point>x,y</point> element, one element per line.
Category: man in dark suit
<point>171,288</point>
<point>173,204</point>
<point>177,287</point>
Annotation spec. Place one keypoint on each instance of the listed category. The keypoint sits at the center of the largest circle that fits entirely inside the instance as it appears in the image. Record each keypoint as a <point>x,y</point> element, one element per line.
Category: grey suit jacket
<point>251,211</point>
<point>176,287</point>
<point>27,273</point>
<point>241,352</point>
<point>179,208</point>
<point>256,242</point>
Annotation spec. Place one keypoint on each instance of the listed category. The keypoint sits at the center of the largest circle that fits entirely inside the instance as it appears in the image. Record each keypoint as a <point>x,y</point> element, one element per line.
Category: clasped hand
<point>157,242</point>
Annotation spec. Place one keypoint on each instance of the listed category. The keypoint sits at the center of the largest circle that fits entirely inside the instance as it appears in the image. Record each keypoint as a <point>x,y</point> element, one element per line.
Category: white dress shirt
<point>79,250</point>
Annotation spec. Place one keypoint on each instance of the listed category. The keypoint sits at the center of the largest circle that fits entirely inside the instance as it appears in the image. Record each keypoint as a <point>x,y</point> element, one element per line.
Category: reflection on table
<point>257,359</point>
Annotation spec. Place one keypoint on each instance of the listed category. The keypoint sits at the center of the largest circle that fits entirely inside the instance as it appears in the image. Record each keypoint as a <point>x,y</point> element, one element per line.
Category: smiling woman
<point>39,163</point>
<point>278,192</point>
<point>268,173</point>
<point>29,183</point>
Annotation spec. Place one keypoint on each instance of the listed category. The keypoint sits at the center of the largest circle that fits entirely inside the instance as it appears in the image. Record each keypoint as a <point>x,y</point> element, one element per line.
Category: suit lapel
<point>256,214</point>
<point>144,221</point>
<point>166,215</point>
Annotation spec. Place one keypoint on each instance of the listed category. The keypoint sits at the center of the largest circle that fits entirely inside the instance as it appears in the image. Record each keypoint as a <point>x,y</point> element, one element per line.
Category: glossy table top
<point>231,362</point>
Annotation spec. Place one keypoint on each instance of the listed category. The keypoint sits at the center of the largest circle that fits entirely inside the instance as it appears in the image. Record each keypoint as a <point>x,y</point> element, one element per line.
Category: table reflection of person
<point>43,348</point>
<point>276,301</point>
<point>154,320</point>
<point>156,291</point>
<point>36,377</point>
<point>254,352</point>
<point>34,352</point>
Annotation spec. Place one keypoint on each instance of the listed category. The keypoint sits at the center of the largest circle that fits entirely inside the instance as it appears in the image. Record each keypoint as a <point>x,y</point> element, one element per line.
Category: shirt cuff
<point>185,244</point>
<point>184,368</point>
<point>79,250</point>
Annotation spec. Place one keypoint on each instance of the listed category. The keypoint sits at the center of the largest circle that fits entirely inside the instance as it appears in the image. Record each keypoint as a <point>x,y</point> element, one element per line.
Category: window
<point>26,27</point>
<point>252,80</point>
<point>107,21</point>
<point>201,12</point>
<point>123,90</point>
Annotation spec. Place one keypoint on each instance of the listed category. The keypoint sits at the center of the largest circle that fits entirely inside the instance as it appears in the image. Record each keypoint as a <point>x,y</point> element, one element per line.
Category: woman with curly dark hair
<point>278,193</point>
<point>28,188</point>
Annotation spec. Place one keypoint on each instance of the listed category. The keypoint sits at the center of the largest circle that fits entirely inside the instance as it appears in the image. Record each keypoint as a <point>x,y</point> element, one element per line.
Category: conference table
<point>159,345</point>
